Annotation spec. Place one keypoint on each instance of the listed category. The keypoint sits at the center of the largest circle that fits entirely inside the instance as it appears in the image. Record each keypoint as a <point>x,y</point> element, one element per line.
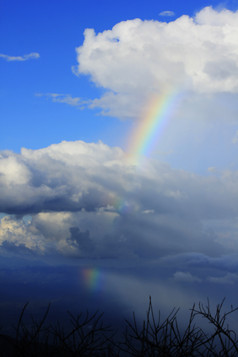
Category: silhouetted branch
<point>153,337</point>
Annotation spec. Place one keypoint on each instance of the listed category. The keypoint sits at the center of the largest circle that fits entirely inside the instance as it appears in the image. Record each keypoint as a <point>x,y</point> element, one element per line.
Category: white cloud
<point>137,58</point>
<point>12,172</point>
<point>167,13</point>
<point>33,55</point>
<point>64,98</point>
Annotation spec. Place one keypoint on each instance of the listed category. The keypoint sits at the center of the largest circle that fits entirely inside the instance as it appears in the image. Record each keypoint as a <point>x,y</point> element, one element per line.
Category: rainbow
<point>152,125</point>
<point>91,278</point>
<point>121,205</point>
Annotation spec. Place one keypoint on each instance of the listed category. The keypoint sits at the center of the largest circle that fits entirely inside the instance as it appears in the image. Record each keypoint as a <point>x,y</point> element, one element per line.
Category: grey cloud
<point>20,249</point>
<point>82,241</point>
<point>88,200</point>
<point>221,70</point>
<point>229,278</point>
<point>186,277</point>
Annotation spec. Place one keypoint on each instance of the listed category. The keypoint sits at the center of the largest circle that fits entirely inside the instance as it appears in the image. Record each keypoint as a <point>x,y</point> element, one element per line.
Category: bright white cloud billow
<point>137,58</point>
<point>33,55</point>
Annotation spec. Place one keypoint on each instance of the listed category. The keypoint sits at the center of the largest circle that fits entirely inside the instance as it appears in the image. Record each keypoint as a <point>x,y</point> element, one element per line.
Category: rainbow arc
<point>152,125</point>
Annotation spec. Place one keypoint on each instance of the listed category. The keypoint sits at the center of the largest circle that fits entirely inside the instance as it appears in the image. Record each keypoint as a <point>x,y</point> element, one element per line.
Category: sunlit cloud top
<point>136,59</point>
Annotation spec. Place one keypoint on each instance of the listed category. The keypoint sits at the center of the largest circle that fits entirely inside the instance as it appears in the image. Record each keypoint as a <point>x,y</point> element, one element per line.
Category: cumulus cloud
<point>136,59</point>
<point>33,55</point>
<point>16,235</point>
<point>87,200</point>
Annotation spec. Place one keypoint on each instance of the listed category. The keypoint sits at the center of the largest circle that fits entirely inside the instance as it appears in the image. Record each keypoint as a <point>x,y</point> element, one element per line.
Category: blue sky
<point>76,78</point>
<point>54,29</point>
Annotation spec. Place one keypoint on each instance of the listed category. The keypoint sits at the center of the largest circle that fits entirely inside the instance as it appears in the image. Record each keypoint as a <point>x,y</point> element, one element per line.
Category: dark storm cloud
<point>86,200</point>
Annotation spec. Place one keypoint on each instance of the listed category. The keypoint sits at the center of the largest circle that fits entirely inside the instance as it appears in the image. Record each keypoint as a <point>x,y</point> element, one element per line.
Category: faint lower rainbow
<point>152,124</point>
<point>121,205</point>
<point>92,278</point>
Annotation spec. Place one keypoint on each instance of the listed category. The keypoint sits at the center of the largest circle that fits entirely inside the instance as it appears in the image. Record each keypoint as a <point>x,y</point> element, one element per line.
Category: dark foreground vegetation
<point>88,336</point>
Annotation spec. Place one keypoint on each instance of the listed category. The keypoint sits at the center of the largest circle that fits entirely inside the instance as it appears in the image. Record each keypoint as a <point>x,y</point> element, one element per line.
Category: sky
<point>118,154</point>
